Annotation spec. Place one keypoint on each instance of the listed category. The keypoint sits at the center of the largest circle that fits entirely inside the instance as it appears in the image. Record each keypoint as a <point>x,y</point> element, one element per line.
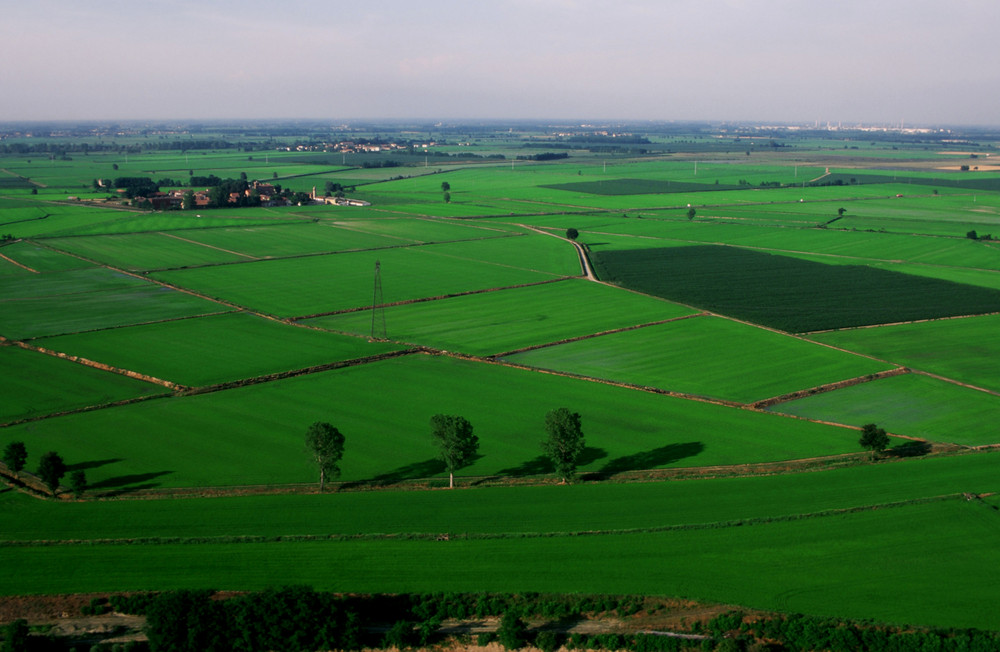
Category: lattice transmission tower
<point>378,306</point>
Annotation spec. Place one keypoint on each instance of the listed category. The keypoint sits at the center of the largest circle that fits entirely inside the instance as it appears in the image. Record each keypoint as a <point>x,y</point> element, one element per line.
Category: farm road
<point>11,260</point>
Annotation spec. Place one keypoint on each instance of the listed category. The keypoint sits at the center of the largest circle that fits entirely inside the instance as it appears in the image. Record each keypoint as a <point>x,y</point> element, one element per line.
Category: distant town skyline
<point>915,62</point>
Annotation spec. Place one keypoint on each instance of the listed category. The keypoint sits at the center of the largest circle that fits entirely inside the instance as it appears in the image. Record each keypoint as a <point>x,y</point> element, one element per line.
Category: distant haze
<point>871,61</point>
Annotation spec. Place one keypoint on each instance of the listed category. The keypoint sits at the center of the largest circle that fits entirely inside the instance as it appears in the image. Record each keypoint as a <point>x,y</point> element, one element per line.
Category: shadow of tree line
<point>120,484</point>
<point>542,465</point>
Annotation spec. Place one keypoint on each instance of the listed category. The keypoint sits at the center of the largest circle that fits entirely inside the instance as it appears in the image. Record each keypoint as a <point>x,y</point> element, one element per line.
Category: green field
<point>88,299</point>
<point>962,349</point>
<point>707,356</point>
<point>345,281</point>
<point>913,405</point>
<point>214,349</point>
<point>35,385</point>
<point>786,293</point>
<point>262,317</point>
<point>384,409</point>
<point>490,323</point>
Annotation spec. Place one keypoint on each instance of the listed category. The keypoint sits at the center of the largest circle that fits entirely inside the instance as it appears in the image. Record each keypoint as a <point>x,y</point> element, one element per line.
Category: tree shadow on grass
<point>651,459</point>
<point>542,465</point>
<point>123,484</point>
<point>909,449</point>
<point>415,471</point>
<point>93,464</point>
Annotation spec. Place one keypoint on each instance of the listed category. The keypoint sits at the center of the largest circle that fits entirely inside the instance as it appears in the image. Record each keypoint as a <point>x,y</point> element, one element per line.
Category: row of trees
<point>51,468</point>
<point>457,444</point>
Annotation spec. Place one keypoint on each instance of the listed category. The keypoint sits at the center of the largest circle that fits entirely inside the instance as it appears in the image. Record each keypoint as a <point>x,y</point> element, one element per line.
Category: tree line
<point>457,444</point>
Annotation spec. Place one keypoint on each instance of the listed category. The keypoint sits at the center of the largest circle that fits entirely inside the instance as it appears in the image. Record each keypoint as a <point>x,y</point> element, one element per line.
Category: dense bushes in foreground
<point>298,619</point>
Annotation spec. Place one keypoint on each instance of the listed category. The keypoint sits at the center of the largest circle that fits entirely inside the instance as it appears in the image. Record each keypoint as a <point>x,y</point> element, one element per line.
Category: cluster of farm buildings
<point>268,194</point>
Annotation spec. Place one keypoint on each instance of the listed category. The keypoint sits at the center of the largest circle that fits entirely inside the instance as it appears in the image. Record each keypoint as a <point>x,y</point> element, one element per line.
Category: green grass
<point>787,293</point>
<point>384,409</point>
<point>850,566</point>
<point>38,258</point>
<point>344,281</point>
<point>494,322</point>
<point>287,240</point>
<point>88,299</point>
<point>706,356</point>
<point>34,385</point>
<point>962,349</point>
<point>213,349</point>
<point>914,405</point>
<point>142,251</point>
<point>638,187</point>
<point>499,510</point>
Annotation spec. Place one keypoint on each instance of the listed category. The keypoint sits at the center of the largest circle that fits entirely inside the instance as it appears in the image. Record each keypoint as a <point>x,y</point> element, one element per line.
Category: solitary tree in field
<point>565,441</point>
<point>445,186</point>
<point>78,482</point>
<point>841,211</point>
<point>691,213</point>
<point>15,456</point>
<point>51,469</point>
<point>453,436</point>
<point>326,448</point>
<point>572,233</point>
<point>447,197</point>
<point>873,438</point>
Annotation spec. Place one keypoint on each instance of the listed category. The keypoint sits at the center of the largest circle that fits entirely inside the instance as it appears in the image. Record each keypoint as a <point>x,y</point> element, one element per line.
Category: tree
<point>78,482</point>
<point>326,448</point>
<point>15,636</point>
<point>572,233</point>
<point>565,441</point>
<point>445,186</point>
<point>873,438</point>
<point>51,469</point>
<point>972,235</point>
<point>187,201</point>
<point>453,435</point>
<point>841,211</point>
<point>691,213</point>
<point>447,197</point>
<point>15,456</point>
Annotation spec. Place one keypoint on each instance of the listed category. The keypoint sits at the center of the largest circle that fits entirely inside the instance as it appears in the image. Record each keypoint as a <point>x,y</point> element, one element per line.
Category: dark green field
<point>786,293</point>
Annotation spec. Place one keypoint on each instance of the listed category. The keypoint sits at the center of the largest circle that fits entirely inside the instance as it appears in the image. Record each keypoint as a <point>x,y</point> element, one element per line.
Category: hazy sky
<point>919,61</point>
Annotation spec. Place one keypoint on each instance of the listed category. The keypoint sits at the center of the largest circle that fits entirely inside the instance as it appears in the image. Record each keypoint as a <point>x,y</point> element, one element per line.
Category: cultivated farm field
<point>737,332</point>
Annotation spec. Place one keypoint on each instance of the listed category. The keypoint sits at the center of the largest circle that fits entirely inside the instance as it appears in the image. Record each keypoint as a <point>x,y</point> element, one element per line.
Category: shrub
<point>512,630</point>
<point>400,635</point>
<point>548,640</point>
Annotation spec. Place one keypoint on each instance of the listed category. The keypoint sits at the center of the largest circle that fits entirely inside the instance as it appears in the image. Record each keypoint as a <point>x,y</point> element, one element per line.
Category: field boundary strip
<point>956,382</point>
<point>763,404</point>
<point>535,347</point>
<point>281,375</point>
<point>88,408</point>
<point>133,325</point>
<point>11,260</point>
<point>426,299</point>
<point>311,254</point>
<point>148,279</point>
<point>202,244</point>
<point>902,323</point>
<point>100,365</point>
<point>482,536</point>
<point>594,379</point>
